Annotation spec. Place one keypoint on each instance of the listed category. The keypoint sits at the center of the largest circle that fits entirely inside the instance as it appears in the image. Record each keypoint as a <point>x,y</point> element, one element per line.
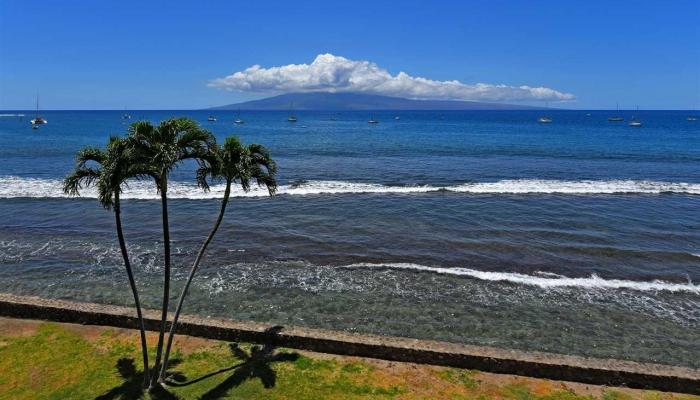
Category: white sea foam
<point>555,281</point>
<point>14,187</point>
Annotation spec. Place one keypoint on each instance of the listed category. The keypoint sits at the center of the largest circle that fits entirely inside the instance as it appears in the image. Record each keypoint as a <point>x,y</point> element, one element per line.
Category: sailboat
<point>38,120</point>
<point>616,117</point>
<point>545,119</point>
<point>211,118</point>
<point>372,120</point>
<point>238,120</point>
<point>292,117</point>
<point>634,122</point>
<point>126,114</point>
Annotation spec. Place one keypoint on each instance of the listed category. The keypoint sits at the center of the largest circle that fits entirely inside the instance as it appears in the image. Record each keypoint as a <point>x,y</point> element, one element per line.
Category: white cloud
<point>330,73</point>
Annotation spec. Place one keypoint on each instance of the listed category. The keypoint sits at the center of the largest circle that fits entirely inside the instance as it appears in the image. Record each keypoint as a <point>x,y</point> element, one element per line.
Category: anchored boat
<point>238,120</point>
<point>545,119</point>
<point>634,122</point>
<point>38,120</point>
<point>292,117</point>
<point>616,117</point>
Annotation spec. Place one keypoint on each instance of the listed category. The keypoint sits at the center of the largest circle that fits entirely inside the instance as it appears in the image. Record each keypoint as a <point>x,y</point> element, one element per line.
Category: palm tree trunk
<point>195,265</point>
<point>132,283</point>
<point>166,276</point>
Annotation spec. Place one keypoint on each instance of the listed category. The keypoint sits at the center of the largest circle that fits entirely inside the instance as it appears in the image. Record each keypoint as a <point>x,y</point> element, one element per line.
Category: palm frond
<point>203,173</point>
<point>264,178</point>
<point>161,148</point>
<point>141,129</point>
<point>241,164</point>
<point>89,154</point>
<point>121,164</point>
<point>263,167</point>
<point>80,178</point>
<point>195,138</point>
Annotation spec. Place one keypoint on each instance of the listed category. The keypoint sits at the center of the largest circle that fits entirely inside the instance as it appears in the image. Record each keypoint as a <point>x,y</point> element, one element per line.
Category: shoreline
<point>488,359</point>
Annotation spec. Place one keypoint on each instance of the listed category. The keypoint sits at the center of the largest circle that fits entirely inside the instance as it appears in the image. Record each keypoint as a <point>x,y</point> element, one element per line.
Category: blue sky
<point>162,54</point>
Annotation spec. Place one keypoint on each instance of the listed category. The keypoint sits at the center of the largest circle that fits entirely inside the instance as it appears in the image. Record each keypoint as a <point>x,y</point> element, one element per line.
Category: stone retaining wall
<point>532,364</point>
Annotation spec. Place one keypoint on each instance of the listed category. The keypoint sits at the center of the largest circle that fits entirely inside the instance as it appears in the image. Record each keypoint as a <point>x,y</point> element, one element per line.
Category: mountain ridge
<point>321,101</point>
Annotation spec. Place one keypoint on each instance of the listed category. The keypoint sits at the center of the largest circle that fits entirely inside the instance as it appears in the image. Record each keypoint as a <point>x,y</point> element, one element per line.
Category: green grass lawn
<point>54,361</point>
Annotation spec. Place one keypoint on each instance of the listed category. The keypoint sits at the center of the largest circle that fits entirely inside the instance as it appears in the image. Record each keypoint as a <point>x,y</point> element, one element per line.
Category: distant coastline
<point>359,102</point>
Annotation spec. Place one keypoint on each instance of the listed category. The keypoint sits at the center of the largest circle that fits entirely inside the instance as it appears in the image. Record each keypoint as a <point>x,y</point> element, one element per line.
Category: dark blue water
<point>580,236</point>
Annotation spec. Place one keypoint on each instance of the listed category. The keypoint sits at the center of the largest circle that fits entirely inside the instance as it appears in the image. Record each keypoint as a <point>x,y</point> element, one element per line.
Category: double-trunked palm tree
<point>153,152</point>
<point>232,163</point>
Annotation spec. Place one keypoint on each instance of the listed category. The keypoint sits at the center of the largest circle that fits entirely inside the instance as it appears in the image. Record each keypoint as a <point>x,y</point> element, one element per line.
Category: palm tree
<point>110,169</point>
<point>233,163</point>
<point>163,148</point>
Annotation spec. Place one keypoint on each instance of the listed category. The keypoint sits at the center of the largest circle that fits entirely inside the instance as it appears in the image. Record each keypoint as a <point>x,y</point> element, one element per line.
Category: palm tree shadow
<point>132,387</point>
<point>256,365</point>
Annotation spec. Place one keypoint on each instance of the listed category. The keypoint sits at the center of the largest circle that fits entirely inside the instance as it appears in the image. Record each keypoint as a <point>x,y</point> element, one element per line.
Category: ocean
<point>482,227</point>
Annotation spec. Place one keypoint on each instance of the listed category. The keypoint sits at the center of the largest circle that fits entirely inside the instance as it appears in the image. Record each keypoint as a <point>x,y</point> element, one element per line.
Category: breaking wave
<point>543,279</point>
<point>17,187</point>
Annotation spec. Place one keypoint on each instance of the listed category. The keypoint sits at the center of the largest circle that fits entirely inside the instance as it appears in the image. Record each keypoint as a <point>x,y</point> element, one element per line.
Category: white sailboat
<point>372,120</point>
<point>545,119</point>
<point>292,117</point>
<point>238,120</point>
<point>38,120</point>
<point>634,122</point>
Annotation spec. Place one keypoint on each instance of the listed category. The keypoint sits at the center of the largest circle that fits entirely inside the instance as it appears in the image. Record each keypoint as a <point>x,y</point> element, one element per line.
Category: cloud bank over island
<point>335,74</point>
